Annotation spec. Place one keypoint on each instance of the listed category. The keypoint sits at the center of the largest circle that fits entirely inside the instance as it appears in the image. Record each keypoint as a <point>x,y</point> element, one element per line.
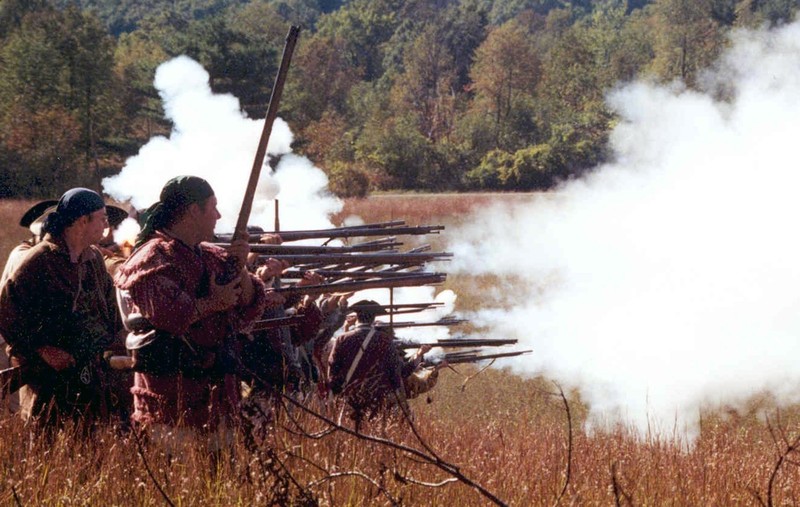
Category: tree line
<point>382,94</point>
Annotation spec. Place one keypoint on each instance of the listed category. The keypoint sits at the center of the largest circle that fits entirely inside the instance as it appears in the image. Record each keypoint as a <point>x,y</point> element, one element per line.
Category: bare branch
<point>147,467</point>
<point>569,443</point>
<point>757,496</point>
<point>337,475</point>
<point>619,493</point>
<point>470,377</point>
<point>441,464</point>
<point>774,475</point>
<point>16,496</point>
<point>411,480</point>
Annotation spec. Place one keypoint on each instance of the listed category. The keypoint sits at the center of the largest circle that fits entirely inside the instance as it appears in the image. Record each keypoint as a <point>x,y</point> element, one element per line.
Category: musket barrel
<point>411,281</point>
<point>272,112</point>
<point>334,273</point>
<point>363,258</point>
<point>442,322</point>
<point>260,325</point>
<point>459,343</point>
<point>273,250</point>
<point>473,357</point>
<point>348,233</point>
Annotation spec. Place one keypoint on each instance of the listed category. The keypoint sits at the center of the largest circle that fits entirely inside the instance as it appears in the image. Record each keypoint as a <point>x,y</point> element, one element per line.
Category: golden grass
<point>505,432</point>
<point>11,210</point>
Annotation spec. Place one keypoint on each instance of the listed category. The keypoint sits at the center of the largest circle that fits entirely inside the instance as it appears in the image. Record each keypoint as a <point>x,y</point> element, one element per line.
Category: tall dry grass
<point>11,210</point>
<point>516,437</point>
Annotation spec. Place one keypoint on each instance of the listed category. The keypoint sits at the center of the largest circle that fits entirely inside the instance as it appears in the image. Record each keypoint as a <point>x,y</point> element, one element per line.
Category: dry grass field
<point>480,438</point>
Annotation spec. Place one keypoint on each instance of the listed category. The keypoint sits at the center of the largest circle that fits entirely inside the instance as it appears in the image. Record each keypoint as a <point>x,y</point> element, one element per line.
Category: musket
<point>14,377</point>
<point>272,250</point>
<point>334,273</point>
<point>343,232</point>
<point>361,232</point>
<point>362,259</point>
<point>456,358</point>
<point>457,343</point>
<point>329,288</point>
<point>289,320</point>
<point>431,304</point>
<point>255,237</point>
<point>441,322</point>
<point>240,232</point>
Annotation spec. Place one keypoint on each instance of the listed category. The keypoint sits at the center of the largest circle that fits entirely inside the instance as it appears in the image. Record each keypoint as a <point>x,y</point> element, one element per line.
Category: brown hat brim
<point>367,306</point>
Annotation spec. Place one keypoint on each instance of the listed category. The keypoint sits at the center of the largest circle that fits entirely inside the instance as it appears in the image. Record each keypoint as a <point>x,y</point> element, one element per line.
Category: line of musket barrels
<point>367,265</point>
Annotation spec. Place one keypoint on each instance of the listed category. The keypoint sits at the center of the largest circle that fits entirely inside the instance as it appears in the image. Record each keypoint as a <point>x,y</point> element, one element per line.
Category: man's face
<point>207,218</point>
<point>96,225</point>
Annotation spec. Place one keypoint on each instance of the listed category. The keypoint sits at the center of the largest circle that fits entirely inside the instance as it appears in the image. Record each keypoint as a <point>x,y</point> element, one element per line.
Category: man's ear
<point>194,210</point>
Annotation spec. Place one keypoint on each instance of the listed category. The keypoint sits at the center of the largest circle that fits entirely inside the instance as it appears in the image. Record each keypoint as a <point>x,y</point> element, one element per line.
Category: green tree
<point>462,28</point>
<point>60,61</point>
<point>135,61</point>
<point>12,13</point>
<point>365,26</point>
<point>321,79</point>
<point>687,39</point>
<point>426,87</point>
<point>504,77</point>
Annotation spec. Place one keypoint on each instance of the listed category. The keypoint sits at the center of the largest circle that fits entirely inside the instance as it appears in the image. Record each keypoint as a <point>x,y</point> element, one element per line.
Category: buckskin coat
<point>377,378</point>
<point>165,278</point>
<point>49,300</point>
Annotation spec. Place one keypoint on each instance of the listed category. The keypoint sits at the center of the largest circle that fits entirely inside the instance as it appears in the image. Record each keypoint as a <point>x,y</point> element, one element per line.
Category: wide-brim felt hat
<point>367,306</point>
<point>36,211</point>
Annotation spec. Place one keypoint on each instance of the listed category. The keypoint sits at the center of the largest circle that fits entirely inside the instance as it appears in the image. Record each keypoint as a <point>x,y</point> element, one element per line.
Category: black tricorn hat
<point>367,307</point>
<point>35,212</point>
<point>115,215</point>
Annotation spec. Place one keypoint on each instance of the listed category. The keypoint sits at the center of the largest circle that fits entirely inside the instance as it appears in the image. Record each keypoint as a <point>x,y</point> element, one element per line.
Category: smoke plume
<point>212,138</point>
<point>666,280</point>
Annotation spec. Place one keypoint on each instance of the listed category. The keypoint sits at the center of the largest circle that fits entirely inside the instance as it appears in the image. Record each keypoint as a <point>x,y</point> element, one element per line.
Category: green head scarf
<point>177,195</point>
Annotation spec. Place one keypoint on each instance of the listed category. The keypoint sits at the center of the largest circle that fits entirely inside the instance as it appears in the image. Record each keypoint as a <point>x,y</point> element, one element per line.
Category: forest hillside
<point>382,94</point>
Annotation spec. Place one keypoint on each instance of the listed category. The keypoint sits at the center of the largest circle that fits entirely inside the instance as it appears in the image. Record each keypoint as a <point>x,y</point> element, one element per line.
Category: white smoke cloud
<point>669,278</point>
<point>213,139</point>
